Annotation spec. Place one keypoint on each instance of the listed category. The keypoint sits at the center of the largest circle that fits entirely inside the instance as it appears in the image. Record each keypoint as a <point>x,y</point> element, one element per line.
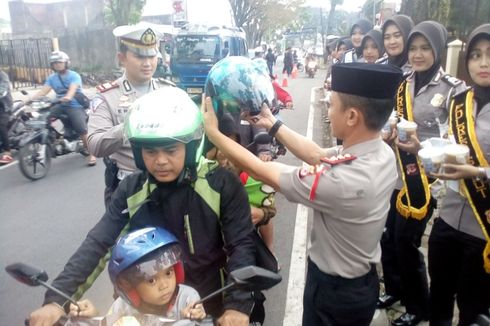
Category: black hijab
<point>377,37</point>
<point>365,26</point>
<point>405,25</point>
<point>436,35</point>
<point>482,94</point>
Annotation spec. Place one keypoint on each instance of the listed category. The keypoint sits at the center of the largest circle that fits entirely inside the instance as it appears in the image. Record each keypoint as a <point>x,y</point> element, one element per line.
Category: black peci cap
<point>366,80</point>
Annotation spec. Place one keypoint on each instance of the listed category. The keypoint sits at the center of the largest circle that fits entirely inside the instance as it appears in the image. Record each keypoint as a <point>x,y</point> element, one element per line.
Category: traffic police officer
<point>138,49</point>
<point>348,188</point>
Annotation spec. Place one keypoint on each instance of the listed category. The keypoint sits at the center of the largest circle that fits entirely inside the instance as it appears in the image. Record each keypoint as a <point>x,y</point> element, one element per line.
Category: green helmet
<point>162,117</point>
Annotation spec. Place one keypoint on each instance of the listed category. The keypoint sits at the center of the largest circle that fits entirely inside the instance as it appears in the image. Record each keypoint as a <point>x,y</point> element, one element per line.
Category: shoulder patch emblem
<point>94,104</point>
<point>107,86</point>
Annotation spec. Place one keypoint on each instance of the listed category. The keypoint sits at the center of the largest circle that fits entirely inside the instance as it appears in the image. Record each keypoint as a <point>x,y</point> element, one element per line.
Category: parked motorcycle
<point>249,278</point>
<point>45,139</point>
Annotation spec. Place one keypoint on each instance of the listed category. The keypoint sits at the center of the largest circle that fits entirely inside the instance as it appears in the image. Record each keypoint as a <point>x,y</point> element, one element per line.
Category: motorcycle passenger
<point>66,83</point>
<point>342,285</point>
<point>138,56</point>
<point>372,46</point>
<point>202,204</point>
<point>147,272</point>
<point>5,107</point>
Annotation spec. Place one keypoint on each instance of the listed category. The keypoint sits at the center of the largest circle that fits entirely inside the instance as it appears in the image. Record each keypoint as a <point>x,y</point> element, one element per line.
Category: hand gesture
<point>85,308</point>
<point>412,146</point>
<point>233,318</point>
<point>193,312</point>
<point>209,116</point>
<point>457,171</point>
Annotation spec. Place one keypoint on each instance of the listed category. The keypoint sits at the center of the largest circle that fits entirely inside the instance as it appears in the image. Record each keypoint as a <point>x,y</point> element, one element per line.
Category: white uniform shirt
<point>350,208</point>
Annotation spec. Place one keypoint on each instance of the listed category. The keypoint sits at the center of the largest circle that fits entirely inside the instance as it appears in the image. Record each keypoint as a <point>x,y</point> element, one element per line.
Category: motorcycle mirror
<point>262,138</point>
<point>248,278</point>
<point>26,274</point>
<point>33,276</point>
<point>254,278</point>
<point>24,92</point>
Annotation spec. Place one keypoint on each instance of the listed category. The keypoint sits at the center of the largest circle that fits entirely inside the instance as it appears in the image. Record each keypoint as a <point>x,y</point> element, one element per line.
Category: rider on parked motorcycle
<point>147,272</point>
<point>66,83</point>
<point>5,107</point>
<point>203,205</point>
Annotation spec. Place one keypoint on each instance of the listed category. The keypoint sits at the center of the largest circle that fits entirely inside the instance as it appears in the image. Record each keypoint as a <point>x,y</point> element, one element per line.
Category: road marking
<point>8,165</point>
<point>297,270</point>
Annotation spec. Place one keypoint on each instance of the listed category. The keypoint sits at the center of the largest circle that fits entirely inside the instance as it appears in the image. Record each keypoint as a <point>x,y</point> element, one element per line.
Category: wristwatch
<point>482,174</point>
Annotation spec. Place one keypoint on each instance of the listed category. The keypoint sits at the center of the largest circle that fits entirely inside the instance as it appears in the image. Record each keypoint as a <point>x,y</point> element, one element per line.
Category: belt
<point>342,281</point>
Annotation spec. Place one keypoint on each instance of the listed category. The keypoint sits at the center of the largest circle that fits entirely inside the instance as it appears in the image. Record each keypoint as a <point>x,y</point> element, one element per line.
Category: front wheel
<point>34,160</point>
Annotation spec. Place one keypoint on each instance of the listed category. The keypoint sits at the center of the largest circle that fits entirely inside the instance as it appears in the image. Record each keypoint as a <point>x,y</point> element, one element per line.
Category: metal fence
<point>26,60</point>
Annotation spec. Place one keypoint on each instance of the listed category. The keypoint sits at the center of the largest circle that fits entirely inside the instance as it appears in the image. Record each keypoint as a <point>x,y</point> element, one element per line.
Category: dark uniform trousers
<point>454,255</point>
<point>336,301</point>
<point>411,264</point>
<point>389,260</point>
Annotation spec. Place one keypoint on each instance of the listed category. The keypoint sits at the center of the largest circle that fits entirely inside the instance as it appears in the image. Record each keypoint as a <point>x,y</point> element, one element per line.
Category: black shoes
<point>386,301</point>
<point>406,319</point>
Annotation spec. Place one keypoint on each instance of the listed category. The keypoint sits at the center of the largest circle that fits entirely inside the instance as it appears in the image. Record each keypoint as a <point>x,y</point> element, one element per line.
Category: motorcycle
<point>46,139</point>
<point>248,278</point>
<point>311,68</point>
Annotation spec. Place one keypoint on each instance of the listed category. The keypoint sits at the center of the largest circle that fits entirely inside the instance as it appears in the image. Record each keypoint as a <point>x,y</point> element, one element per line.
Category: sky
<point>199,11</point>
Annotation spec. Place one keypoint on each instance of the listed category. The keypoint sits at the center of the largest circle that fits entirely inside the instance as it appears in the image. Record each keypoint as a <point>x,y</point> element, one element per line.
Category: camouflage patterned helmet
<point>239,84</point>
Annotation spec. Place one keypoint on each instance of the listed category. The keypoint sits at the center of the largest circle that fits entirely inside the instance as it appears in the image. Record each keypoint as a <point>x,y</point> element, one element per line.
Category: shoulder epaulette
<point>166,82</point>
<point>107,86</point>
<point>461,90</point>
<point>453,81</point>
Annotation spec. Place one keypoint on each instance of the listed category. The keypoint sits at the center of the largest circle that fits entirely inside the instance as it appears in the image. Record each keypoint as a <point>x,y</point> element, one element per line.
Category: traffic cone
<point>294,73</point>
<point>284,81</point>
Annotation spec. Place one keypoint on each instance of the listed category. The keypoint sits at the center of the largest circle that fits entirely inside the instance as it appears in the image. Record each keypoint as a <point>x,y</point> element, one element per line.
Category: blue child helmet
<point>139,255</point>
<point>238,83</point>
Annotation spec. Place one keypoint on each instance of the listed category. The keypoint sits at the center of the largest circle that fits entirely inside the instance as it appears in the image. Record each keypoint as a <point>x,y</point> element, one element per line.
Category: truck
<point>195,49</point>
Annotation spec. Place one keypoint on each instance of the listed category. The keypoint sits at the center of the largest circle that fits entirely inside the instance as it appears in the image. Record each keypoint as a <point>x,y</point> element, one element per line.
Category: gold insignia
<point>437,100</point>
<point>148,37</point>
<point>123,98</point>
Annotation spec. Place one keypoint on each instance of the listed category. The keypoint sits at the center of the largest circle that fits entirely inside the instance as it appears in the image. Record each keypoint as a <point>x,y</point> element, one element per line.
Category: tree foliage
<point>260,18</point>
<point>461,15</point>
<point>123,12</point>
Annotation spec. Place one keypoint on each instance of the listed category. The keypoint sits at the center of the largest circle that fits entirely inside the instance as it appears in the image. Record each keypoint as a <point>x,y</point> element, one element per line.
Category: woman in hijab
<point>372,46</point>
<point>357,32</point>
<point>459,247</point>
<point>423,98</point>
<point>395,33</point>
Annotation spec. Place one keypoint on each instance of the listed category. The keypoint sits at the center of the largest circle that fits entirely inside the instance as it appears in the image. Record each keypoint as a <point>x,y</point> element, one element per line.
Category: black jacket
<point>210,243</point>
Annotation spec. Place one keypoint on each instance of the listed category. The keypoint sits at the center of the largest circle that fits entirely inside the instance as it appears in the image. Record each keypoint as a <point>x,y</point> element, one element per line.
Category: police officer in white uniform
<point>138,49</point>
<point>348,187</point>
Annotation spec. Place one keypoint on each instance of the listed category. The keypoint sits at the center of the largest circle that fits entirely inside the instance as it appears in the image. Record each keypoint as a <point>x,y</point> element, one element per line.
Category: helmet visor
<point>153,263</point>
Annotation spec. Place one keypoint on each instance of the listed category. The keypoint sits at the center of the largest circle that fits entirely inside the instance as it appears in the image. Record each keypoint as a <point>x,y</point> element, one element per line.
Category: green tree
<point>123,12</point>
<point>331,14</point>
<point>263,17</point>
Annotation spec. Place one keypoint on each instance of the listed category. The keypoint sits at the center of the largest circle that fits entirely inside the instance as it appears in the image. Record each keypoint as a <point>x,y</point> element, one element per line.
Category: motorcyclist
<point>203,205</point>
<point>66,83</point>
<point>311,58</point>
<point>5,107</point>
<point>147,272</point>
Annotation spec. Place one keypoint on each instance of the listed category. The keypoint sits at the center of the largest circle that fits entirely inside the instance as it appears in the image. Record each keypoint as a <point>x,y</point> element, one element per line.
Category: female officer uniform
<point>423,98</point>
<point>457,267</point>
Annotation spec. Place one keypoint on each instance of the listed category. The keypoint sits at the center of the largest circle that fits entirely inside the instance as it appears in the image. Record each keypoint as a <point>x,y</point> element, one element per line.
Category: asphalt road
<point>43,222</point>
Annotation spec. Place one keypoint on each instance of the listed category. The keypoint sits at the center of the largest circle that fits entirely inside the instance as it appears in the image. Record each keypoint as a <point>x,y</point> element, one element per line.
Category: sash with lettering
<point>477,192</point>
<point>414,197</point>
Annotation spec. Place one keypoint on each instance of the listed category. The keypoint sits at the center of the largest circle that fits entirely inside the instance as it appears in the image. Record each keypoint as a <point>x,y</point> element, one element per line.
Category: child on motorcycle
<point>147,272</point>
